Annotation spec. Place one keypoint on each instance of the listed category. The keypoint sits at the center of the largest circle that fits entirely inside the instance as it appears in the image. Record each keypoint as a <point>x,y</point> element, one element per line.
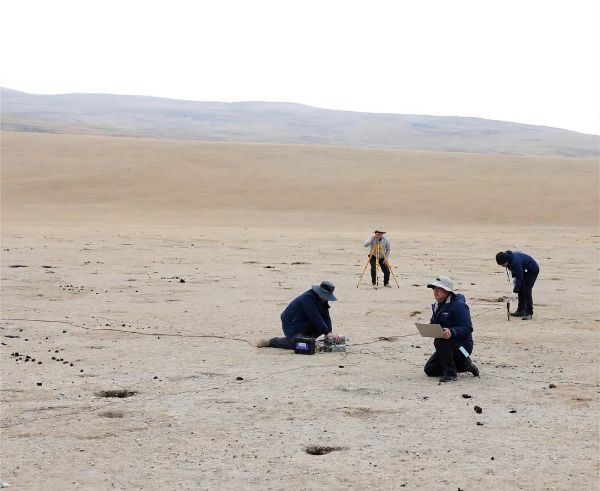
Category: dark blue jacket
<point>306,311</point>
<point>455,315</point>
<point>520,263</point>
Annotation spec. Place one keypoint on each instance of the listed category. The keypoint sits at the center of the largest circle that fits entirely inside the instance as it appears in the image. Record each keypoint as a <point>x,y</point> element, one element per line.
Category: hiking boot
<point>263,343</point>
<point>449,377</point>
<point>527,317</point>
<point>470,367</point>
<point>517,313</point>
<point>387,285</point>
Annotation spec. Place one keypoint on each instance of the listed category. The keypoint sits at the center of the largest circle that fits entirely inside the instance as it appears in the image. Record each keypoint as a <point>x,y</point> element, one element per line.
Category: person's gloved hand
<point>514,297</point>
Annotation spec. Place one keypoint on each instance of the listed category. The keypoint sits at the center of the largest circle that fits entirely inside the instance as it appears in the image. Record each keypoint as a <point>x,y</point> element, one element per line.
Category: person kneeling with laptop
<point>453,348</point>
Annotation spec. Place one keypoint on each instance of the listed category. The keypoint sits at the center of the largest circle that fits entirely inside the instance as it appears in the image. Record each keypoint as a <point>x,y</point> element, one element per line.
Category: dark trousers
<point>447,359</point>
<point>526,291</point>
<point>384,268</point>
<point>290,342</point>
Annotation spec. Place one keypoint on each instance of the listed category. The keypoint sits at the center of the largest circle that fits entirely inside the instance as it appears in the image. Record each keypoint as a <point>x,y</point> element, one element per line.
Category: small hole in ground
<point>319,450</point>
<point>112,414</point>
<point>116,393</point>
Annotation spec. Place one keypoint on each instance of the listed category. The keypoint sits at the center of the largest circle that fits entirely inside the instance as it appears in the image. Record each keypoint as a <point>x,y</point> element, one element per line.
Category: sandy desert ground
<point>149,267</point>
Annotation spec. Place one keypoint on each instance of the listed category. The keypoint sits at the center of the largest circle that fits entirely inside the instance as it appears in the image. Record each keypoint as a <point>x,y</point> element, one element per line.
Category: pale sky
<point>527,61</point>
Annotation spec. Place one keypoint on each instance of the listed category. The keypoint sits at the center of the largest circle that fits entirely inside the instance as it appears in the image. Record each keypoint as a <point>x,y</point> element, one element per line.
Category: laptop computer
<point>429,330</point>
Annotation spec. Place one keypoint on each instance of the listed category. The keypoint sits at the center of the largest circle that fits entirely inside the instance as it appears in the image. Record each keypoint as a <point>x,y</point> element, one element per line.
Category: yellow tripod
<point>379,253</point>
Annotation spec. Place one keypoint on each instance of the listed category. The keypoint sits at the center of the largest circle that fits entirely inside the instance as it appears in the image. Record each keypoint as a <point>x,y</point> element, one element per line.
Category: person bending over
<point>524,271</point>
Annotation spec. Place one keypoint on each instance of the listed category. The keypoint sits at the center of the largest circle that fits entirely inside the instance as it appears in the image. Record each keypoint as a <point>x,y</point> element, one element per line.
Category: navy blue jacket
<point>306,311</point>
<point>519,263</point>
<point>455,315</point>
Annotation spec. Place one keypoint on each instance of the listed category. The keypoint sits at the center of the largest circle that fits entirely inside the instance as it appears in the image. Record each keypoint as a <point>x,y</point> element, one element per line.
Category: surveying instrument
<point>378,252</point>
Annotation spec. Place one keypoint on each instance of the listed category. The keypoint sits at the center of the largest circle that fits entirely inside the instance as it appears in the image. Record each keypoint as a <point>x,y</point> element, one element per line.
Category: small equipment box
<point>305,346</point>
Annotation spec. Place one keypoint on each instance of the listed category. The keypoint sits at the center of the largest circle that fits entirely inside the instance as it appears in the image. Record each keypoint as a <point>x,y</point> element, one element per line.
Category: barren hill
<point>280,122</point>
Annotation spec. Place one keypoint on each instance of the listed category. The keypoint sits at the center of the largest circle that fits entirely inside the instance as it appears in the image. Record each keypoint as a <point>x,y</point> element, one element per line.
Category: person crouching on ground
<point>380,248</point>
<point>306,315</point>
<point>452,313</point>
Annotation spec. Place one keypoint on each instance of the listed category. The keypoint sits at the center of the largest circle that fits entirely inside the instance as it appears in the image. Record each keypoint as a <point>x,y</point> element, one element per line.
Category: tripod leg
<point>364,269</point>
<point>376,265</point>
<point>391,269</point>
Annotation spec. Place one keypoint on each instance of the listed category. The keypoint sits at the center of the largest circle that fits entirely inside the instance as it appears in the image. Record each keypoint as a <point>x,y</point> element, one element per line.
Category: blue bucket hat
<point>325,291</point>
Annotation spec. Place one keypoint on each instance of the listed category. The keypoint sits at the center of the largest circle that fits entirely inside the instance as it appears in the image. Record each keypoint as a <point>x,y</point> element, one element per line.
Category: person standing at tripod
<point>379,252</point>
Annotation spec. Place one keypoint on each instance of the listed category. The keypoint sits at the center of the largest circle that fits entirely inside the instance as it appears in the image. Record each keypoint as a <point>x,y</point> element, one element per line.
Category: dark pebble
<point>466,396</point>
<point>512,411</point>
<point>340,366</point>
<point>477,409</point>
<point>551,386</point>
<point>239,378</point>
<point>39,384</point>
<point>479,423</point>
<point>181,280</point>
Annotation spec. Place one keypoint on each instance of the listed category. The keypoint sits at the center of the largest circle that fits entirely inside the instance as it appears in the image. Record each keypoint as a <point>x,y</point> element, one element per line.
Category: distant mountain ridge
<point>280,122</point>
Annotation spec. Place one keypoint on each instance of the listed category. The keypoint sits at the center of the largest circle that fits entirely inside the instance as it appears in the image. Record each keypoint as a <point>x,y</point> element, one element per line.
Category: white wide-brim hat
<point>442,282</point>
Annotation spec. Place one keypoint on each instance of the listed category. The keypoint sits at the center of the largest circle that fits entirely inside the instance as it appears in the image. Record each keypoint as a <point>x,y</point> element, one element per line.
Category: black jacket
<point>305,311</point>
<point>454,314</point>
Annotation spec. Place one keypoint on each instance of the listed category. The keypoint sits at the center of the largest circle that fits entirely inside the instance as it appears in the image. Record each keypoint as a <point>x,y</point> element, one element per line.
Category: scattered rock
<point>466,396</point>
<point>181,280</point>
<point>552,386</point>
<point>479,423</point>
<point>319,450</point>
<point>239,378</point>
<point>512,411</point>
<point>477,409</point>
